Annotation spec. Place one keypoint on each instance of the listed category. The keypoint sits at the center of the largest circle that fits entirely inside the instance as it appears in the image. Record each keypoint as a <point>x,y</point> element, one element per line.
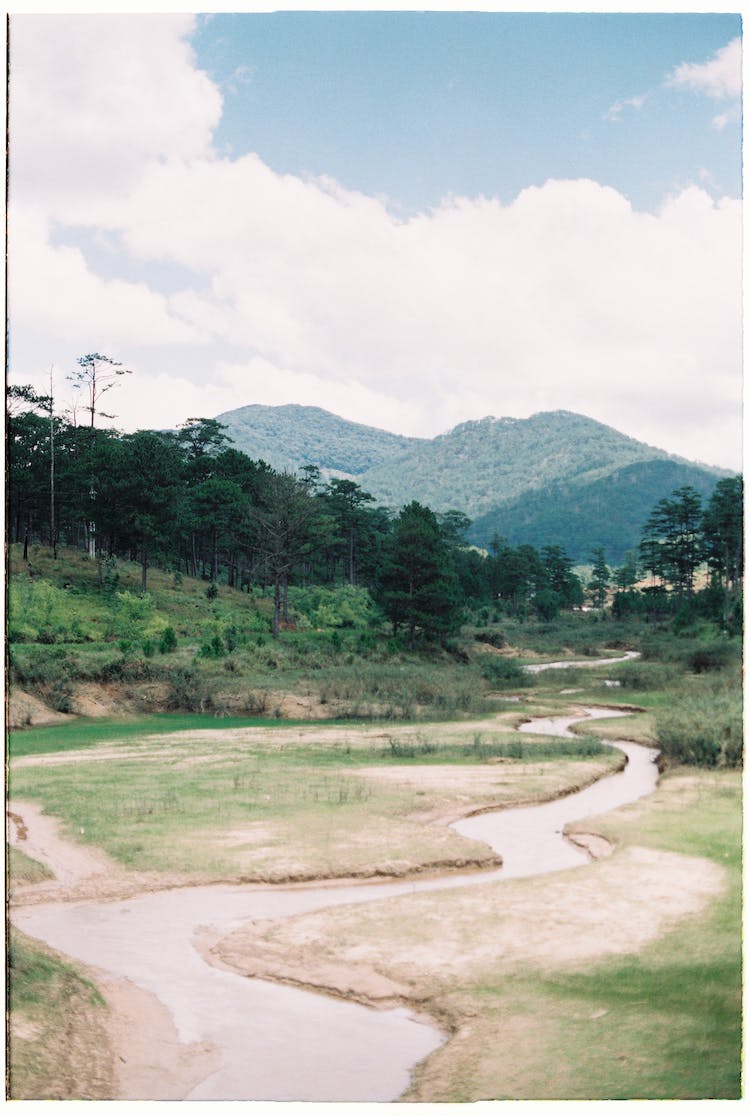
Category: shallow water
<point>280,1043</point>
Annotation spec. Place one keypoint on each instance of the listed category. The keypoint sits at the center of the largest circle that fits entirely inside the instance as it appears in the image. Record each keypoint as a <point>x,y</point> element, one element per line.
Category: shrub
<point>704,730</point>
<point>494,639</point>
<point>38,612</point>
<point>188,691</point>
<point>645,676</point>
<point>502,672</point>
<point>713,656</point>
<point>168,640</point>
<point>212,648</point>
<point>212,591</point>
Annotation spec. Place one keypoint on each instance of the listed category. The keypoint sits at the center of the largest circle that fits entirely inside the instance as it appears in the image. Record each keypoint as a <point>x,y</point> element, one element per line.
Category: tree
<point>218,507</point>
<point>139,493</point>
<point>290,523</point>
<point>201,440</point>
<point>347,504</point>
<point>560,577</point>
<point>672,544</point>
<point>96,375</point>
<point>516,574</point>
<point>418,588</point>
<point>723,536</point>
<point>626,575</point>
<point>600,578</point>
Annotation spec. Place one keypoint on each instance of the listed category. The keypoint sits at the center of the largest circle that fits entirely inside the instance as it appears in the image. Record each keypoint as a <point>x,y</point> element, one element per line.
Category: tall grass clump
<point>703,729</point>
<point>647,675</point>
<point>503,673</point>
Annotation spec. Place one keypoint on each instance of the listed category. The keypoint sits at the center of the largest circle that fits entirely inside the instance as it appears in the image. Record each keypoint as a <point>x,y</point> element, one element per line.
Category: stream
<point>279,1043</point>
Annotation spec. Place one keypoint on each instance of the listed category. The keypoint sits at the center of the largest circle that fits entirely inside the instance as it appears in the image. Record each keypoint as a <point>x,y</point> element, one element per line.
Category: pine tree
<point>418,588</point>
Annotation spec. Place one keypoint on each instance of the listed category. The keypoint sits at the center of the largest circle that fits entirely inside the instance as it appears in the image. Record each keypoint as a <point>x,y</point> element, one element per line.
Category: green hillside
<point>554,478</point>
<point>292,436</point>
<point>479,465</point>
<point>609,512</point>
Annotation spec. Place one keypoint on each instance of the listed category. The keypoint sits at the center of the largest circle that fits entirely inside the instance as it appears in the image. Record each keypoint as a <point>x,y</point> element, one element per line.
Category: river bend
<point>285,1044</point>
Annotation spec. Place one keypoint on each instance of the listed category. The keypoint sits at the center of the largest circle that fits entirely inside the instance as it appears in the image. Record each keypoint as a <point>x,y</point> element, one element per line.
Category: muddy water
<point>284,1044</point>
<point>536,668</point>
<point>530,839</point>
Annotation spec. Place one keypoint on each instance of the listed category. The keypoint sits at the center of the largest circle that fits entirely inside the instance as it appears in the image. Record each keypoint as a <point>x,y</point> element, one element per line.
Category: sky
<point>411,219</point>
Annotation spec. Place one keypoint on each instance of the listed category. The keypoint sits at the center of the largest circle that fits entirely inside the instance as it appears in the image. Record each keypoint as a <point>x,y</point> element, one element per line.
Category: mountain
<point>556,477</point>
<point>609,512</point>
<point>478,465</point>
<point>292,436</point>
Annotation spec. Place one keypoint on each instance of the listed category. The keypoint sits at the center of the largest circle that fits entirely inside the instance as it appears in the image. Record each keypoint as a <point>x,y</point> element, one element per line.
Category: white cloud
<point>95,98</point>
<point>564,298</point>
<point>614,112</point>
<point>720,77</point>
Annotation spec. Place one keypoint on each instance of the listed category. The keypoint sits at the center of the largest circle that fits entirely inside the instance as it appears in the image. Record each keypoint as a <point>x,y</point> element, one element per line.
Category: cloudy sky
<point>409,219</point>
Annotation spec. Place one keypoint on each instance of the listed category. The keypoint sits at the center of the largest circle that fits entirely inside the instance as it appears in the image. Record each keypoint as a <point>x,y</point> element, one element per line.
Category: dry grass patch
<point>432,941</point>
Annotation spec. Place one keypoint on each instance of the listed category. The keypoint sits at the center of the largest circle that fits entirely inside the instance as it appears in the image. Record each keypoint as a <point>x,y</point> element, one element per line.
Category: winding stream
<point>281,1043</point>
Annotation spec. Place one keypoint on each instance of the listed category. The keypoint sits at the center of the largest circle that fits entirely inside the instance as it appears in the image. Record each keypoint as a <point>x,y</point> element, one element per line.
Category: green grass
<point>57,1048</point>
<point>663,1022</point>
<point>680,1000</point>
<point>34,972</point>
<point>83,733</point>
<point>23,869</point>
<point>149,806</point>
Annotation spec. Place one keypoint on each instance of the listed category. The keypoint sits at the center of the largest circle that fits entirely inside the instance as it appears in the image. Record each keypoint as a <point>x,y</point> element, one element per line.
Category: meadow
<point>339,752</point>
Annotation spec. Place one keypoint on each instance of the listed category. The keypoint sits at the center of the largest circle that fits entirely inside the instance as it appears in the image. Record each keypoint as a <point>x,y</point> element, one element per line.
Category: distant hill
<point>609,512</point>
<point>556,477</point>
<point>292,436</point>
<point>478,465</point>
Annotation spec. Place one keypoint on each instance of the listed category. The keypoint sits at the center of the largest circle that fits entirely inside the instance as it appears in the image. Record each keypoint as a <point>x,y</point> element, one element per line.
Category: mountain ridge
<point>497,471</point>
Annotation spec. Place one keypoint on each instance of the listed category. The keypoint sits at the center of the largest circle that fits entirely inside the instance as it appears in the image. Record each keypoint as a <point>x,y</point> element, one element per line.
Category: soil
<point>380,953</point>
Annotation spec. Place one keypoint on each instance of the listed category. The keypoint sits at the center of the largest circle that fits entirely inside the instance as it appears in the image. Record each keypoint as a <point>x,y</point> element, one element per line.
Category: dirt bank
<point>381,952</point>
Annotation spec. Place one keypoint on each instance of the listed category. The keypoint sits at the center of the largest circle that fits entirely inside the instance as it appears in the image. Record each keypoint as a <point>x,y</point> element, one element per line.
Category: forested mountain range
<point>554,477</point>
<point>609,511</point>
<point>293,436</point>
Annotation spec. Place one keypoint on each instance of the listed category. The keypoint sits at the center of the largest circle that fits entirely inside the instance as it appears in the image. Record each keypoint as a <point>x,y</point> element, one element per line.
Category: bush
<point>168,640</point>
<point>39,612</point>
<point>188,691</point>
<point>645,676</point>
<point>705,730</point>
<point>494,639</point>
<point>547,604</point>
<point>212,648</point>
<point>348,606</point>
<point>715,656</point>
<point>501,672</point>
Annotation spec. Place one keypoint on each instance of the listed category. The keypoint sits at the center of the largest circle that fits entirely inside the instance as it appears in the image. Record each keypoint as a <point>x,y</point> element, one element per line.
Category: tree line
<point>187,500</point>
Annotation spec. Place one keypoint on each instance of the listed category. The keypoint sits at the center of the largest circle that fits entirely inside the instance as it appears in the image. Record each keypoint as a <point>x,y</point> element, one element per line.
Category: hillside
<point>609,512</point>
<point>556,477</point>
<point>478,465</point>
<point>292,436</point>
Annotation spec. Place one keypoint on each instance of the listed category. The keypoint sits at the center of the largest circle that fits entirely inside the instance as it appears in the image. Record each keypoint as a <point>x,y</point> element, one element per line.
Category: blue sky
<point>417,106</point>
<point>410,219</point>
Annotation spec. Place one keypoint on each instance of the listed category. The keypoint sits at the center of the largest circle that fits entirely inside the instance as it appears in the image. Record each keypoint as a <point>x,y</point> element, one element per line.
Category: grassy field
<point>57,1038</point>
<point>281,801</point>
<point>339,752</point>
<point>619,982</point>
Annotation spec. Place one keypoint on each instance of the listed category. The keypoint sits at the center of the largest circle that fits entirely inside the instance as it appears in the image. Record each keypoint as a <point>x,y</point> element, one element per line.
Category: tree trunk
<point>144,570</point>
<point>276,607</point>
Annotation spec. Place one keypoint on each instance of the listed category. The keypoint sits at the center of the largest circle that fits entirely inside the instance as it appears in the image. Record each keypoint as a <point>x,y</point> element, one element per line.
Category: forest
<point>188,501</point>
